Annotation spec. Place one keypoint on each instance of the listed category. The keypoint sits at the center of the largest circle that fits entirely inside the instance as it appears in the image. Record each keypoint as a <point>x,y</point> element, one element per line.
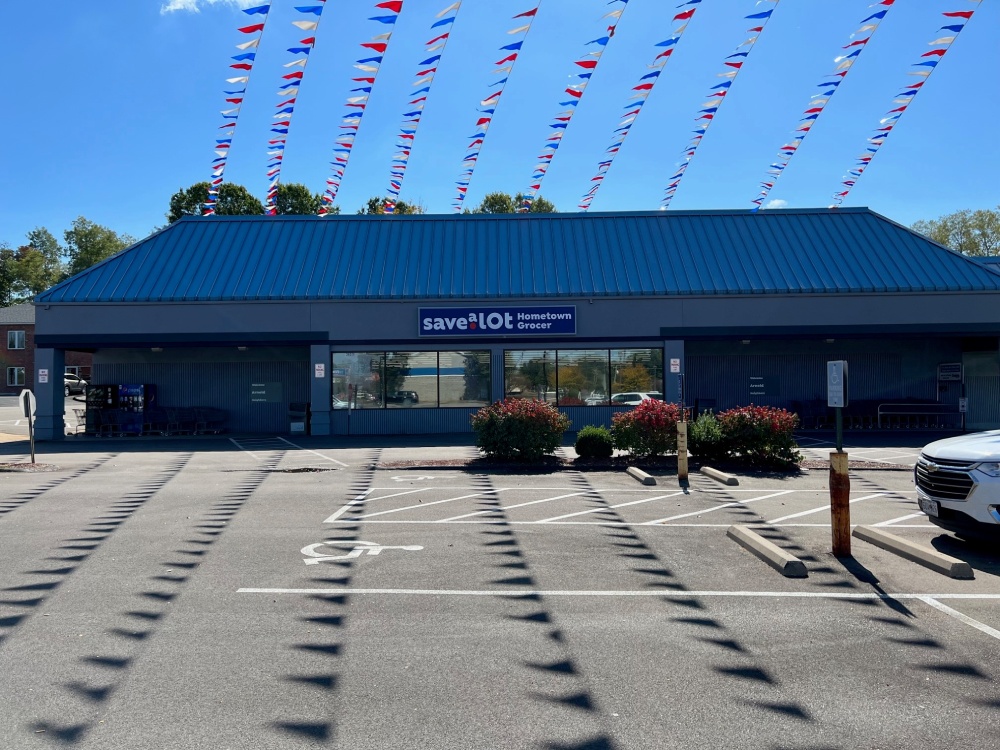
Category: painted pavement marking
<point>827,507</point>
<point>717,507</point>
<point>315,453</point>
<point>603,508</point>
<point>362,498</point>
<point>505,508</point>
<point>427,505</point>
<point>357,550</point>
<point>932,601</point>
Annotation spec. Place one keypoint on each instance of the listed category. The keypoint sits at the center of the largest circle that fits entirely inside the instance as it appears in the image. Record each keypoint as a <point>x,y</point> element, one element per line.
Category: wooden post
<point>840,507</point>
<point>682,451</point>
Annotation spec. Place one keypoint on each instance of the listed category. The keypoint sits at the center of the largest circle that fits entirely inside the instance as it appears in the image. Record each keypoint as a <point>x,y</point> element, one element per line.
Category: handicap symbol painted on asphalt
<point>359,548</point>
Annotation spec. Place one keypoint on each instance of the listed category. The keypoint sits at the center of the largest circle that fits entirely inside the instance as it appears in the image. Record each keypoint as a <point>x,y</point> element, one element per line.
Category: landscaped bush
<point>519,429</point>
<point>760,434</point>
<point>594,442</point>
<point>650,429</point>
<point>706,439</point>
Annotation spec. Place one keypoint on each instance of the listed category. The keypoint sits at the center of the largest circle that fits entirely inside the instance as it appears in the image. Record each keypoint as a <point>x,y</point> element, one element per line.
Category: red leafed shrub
<point>519,429</point>
<point>650,429</point>
<point>760,434</point>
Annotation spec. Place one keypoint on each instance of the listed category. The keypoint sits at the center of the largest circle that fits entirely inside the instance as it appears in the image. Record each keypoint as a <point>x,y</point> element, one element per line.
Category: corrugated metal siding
<point>524,256</point>
<point>402,421</point>
<point>223,385</point>
<point>801,378</point>
<point>983,393</point>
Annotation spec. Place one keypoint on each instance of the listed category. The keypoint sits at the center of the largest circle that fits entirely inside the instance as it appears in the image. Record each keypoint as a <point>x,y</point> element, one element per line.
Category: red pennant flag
<point>587,63</point>
<point>293,75</point>
<point>242,66</point>
<point>427,72</point>
<point>959,14</point>
<point>527,14</point>
<point>364,80</point>
<point>685,15</point>
<point>509,58</point>
<point>933,52</point>
<point>574,92</point>
<point>235,101</point>
<point>252,29</point>
<point>438,38</point>
<point>483,121</point>
<point>379,47</point>
<point>643,87</point>
<point>665,53</point>
<point>736,65</point>
<point>396,6</point>
<point>308,40</point>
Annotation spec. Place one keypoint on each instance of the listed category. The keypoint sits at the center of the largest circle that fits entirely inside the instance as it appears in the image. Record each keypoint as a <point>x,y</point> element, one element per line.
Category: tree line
<point>43,261</point>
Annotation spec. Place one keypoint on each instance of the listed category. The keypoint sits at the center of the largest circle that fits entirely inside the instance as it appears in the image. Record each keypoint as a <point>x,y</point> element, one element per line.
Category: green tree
<point>504,203</point>
<point>968,232</point>
<point>88,243</point>
<point>7,276</point>
<point>295,199</point>
<point>38,264</point>
<point>233,200</point>
<point>376,207</point>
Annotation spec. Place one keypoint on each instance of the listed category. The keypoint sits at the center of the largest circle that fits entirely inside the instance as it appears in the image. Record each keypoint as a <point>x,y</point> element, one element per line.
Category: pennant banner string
<point>819,101</point>
<point>442,28</point>
<point>924,68</point>
<point>288,93</point>
<point>357,103</point>
<point>235,96</point>
<point>488,106</point>
<point>734,65</point>
<point>642,92</point>
<point>561,121</point>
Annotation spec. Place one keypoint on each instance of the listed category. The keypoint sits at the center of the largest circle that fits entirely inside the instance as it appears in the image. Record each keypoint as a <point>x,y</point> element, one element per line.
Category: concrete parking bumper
<point>918,553</point>
<point>785,563</point>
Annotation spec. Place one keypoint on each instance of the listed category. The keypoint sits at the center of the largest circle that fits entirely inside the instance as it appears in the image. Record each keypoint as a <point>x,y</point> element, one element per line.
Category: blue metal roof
<point>519,256</point>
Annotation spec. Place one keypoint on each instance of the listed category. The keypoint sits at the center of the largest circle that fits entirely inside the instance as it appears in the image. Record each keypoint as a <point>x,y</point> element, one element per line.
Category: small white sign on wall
<point>675,365</point>
<point>320,370</point>
<point>43,376</point>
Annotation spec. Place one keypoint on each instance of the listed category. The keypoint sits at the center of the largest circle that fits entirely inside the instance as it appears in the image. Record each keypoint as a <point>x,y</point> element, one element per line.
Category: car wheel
<point>66,390</point>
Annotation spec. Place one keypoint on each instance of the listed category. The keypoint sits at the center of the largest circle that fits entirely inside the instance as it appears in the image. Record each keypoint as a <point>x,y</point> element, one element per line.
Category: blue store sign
<point>497,321</point>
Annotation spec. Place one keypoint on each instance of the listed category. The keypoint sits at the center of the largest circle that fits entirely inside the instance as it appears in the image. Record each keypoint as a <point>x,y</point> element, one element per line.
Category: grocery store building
<point>382,325</point>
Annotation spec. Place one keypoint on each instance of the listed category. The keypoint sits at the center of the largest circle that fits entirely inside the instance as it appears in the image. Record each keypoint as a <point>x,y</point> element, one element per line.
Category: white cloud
<point>777,203</point>
<point>194,6</point>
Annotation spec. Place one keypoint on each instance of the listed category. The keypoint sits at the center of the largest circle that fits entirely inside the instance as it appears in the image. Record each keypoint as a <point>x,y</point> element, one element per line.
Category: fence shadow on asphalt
<point>78,550</point>
<point>315,689</point>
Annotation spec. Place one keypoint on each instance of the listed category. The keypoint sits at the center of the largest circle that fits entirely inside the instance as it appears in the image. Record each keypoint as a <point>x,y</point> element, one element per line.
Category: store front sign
<point>497,321</point>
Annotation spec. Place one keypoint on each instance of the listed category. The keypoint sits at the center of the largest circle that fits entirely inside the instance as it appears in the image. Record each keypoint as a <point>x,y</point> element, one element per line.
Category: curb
<point>639,474</point>
<point>918,553</point>
<point>786,564</point>
<point>720,476</point>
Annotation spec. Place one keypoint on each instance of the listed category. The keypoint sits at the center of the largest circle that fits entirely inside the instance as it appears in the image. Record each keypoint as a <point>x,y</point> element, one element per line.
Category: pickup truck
<point>958,484</point>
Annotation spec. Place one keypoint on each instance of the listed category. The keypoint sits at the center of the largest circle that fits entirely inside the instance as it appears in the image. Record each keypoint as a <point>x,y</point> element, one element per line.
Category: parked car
<point>338,403</point>
<point>402,397</point>
<point>634,398</point>
<point>958,484</point>
<point>73,384</point>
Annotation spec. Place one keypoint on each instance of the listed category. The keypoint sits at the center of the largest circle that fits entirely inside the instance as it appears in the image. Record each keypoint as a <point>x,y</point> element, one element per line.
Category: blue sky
<point>113,106</point>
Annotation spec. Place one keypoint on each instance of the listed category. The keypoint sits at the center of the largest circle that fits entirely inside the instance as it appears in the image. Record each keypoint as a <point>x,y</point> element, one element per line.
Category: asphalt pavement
<point>280,592</point>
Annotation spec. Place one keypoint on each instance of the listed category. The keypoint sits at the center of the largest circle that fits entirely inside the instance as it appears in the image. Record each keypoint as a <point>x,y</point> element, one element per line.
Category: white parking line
<point>427,505</point>
<point>717,507</point>
<point>901,518</point>
<point>825,507</point>
<point>606,507</point>
<point>993,632</point>
<point>505,508</point>
<point>632,593</point>
<point>551,524</point>
<point>307,450</point>
<point>362,498</point>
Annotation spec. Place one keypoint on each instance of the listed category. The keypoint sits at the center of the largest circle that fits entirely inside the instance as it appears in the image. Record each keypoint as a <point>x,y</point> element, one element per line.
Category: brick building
<point>17,350</point>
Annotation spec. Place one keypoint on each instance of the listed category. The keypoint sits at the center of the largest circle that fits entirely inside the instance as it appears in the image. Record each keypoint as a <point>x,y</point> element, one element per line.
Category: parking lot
<point>306,592</point>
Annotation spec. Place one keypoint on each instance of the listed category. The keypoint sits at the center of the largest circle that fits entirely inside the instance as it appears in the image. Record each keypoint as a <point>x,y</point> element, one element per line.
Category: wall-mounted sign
<point>675,365</point>
<point>471,322</point>
<point>43,376</point>
<point>320,370</point>
<point>266,393</point>
<point>950,372</point>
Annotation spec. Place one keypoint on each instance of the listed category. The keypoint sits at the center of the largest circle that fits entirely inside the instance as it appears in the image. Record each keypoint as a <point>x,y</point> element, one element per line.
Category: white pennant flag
<point>248,45</point>
<point>301,62</point>
<point>450,8</point>
<point>306,25</point>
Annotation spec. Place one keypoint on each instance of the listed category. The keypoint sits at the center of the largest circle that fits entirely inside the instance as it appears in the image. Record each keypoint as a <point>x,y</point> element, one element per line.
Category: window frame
<point>12,335</point>
<point>14,369</point>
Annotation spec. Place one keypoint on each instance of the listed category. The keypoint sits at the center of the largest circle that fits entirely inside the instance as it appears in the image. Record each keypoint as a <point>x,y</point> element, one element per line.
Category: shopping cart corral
<point>915,415</point>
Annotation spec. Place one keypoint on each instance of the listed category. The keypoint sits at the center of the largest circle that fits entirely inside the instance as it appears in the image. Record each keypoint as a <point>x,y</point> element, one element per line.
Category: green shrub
<point>594,442</point>
<point>760,434</point>
<point>650,429</point>
<point>706,439</point>
<point>519,429</point>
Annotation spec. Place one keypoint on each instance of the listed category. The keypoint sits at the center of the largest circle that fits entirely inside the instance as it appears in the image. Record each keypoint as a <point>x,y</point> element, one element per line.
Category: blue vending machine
<point>133,402</point>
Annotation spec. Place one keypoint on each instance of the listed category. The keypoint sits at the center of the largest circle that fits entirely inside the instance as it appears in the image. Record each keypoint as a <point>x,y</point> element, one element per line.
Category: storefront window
<point>582,377</point>
<point>464,378</point>
<point>530,374</point>
<point>411,380</point>
<point>15,376</point>
<point>637,371</point>
<point>357,379</point>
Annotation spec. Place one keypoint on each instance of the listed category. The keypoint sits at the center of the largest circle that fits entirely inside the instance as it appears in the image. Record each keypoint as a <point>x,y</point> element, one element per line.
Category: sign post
<point>682,434</point>
<point>27,399</point>
<point>840,481</point>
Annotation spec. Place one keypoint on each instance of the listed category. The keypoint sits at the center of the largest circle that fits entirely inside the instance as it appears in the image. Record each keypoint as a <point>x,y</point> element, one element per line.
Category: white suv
<point>634,398</point>
<point>958,484</point>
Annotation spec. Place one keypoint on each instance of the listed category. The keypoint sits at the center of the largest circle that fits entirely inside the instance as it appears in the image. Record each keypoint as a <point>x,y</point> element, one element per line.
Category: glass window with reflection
<point>637,371</point>
<point>411,380</point>
<point>530,374</point>
<point>582,377</point>
<point>464,379</point>
<point>357,379</point>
